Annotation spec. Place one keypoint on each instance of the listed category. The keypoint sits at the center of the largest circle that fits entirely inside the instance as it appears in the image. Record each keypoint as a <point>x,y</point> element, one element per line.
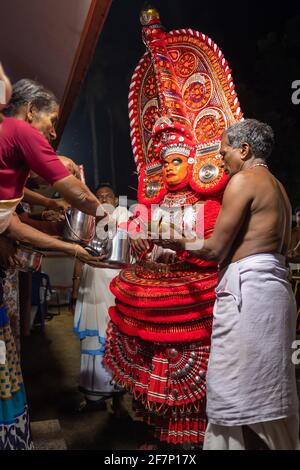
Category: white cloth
<point>95,379</point>
<point>7,208</point>
<point>94,299</point>
<point>251,377</point>
<point>281,434</point>
<point>90,323</point>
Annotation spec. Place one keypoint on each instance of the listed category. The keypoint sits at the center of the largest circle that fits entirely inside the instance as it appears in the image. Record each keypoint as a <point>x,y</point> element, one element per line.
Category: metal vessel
<point>116,249</point>
<point>79,227</point>
<point>29,258</point>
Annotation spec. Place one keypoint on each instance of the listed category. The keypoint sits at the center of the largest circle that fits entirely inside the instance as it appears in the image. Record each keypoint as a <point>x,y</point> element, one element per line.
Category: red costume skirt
<point>167,381</point>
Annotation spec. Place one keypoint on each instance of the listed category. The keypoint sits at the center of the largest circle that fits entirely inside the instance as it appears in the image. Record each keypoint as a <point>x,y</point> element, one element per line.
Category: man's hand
<point>8,257</point>
<point>168,237</point>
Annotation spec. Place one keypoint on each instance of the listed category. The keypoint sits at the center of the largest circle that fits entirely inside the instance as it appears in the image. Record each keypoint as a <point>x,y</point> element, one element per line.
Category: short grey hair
<point>29,91</point>
<point>258,135</point>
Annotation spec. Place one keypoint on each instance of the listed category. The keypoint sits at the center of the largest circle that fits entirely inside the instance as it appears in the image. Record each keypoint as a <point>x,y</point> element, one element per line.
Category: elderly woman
<point>33,103</point>
<point>23,147</point>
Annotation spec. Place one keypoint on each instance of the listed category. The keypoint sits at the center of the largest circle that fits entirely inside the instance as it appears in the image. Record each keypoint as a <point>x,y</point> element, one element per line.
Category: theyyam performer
<point>181,99</point>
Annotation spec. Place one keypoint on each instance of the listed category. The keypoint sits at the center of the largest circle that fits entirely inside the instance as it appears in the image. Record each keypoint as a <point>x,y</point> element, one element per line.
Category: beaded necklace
<point>259,164</point>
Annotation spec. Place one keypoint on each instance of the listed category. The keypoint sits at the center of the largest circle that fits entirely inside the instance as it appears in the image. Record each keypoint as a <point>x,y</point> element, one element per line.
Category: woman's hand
<point>70,165</point>
<point>53,216</point>
<point>85,257</point>
<point>58,204</point>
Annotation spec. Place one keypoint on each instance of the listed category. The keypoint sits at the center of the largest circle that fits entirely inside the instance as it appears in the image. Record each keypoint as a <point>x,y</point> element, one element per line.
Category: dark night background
<point>262,45</point>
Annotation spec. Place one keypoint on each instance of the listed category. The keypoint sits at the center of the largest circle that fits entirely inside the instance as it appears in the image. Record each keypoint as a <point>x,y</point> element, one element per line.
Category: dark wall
<point>262,45</point>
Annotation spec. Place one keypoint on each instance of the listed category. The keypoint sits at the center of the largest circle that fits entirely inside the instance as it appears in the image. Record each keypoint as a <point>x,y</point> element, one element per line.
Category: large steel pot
<point>79,227</point>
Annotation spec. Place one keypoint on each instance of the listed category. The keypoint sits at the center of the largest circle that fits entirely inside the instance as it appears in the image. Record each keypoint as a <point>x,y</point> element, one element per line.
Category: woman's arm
<point>26,234</point>
<point>34,198</point>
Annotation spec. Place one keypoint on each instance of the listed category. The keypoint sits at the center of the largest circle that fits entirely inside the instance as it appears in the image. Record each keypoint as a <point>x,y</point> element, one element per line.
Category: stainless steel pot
<point>29,258</point>
<point>79,227</point>
<point>116,249</point>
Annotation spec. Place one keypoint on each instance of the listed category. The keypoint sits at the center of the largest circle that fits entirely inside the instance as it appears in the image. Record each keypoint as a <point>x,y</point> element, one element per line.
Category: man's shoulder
<point>241,187</point>
<point>248,178</point>
<point>242,179</point>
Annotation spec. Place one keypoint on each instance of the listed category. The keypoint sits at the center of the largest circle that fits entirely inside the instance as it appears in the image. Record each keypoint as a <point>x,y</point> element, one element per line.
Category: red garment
<point>23,148</point>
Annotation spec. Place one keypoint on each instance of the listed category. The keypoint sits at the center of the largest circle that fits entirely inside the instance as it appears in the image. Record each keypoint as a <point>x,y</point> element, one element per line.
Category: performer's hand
<point>167,257</point>
<point>140,245</point>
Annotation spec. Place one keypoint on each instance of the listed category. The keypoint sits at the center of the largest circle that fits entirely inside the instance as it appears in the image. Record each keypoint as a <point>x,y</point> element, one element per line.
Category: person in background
<point>92,298</point>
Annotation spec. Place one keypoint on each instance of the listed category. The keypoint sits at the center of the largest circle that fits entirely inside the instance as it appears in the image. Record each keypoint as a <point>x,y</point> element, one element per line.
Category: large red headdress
<point>181,99</point>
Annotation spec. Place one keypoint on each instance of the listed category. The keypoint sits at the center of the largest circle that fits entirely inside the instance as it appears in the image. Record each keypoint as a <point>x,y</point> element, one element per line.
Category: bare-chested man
<point>251,378</point>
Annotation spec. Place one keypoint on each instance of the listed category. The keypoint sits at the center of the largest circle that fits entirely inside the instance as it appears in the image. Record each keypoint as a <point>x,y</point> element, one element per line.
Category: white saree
<point>90,323</point>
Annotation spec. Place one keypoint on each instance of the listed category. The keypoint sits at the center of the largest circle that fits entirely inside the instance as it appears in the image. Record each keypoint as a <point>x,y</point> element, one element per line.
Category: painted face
<point>106,196</point>
<point>231,156</point>
<point>175,169</point>
<point>45,122</point>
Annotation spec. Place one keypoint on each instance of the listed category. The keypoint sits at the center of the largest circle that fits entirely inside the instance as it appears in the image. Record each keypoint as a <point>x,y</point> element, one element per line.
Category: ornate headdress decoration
<point>181,99</point>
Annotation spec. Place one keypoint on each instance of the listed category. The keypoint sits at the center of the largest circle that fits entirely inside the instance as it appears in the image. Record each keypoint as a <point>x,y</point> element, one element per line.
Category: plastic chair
<point>60,270</point>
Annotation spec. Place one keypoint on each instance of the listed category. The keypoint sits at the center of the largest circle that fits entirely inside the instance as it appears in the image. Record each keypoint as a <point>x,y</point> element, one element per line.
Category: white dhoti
<point>251,378</point>
<point>90,323</point>
<point>281,434</point>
